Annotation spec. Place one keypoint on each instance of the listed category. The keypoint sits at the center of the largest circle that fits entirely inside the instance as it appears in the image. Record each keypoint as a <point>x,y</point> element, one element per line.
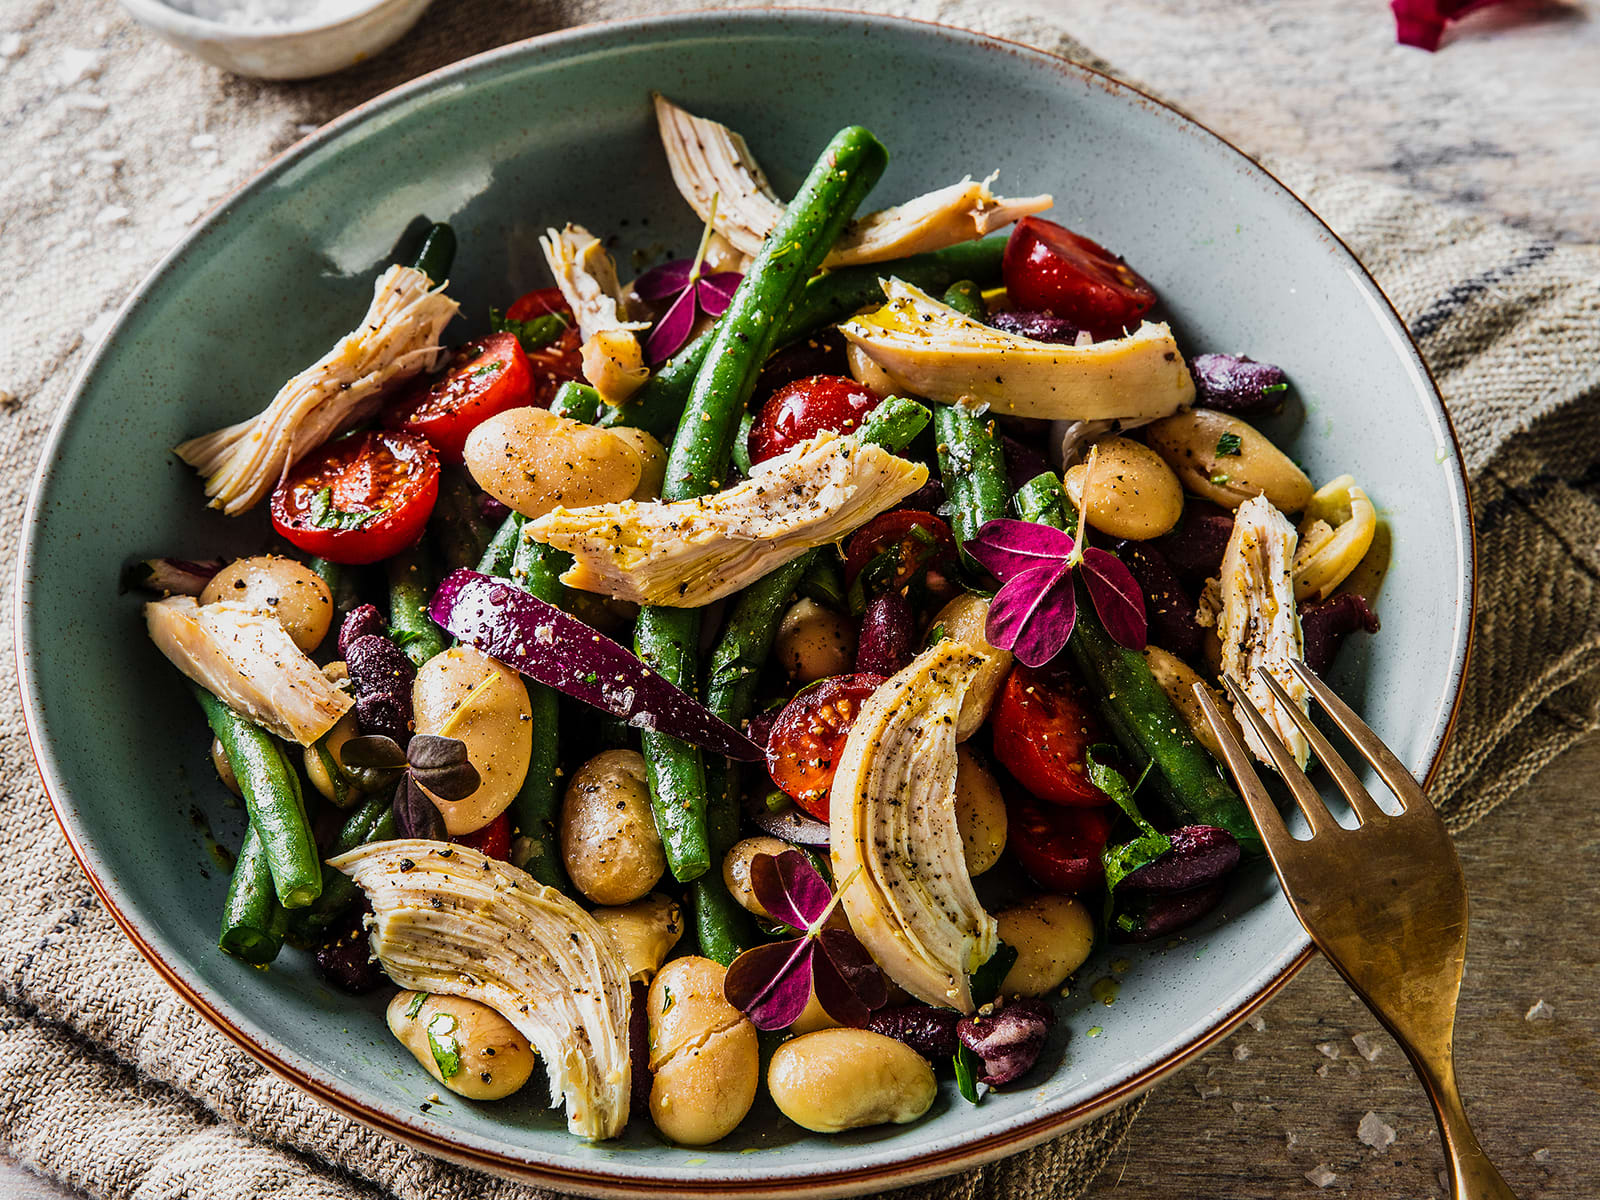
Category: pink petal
<point>771,984</point>
<point>1421,22</point>
<point>1008,548</point>
<point>789,888</point>
<point>847,983</point>
<point>1116,597</point>
<point>716,292</point>
<point>668,279</point>
<point>673,330</point>
<point>1033,614</point>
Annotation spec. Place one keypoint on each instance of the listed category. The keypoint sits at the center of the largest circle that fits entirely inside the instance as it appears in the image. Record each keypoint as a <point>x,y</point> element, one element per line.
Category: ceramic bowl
<point>303,50</point>
<point>560,128</point>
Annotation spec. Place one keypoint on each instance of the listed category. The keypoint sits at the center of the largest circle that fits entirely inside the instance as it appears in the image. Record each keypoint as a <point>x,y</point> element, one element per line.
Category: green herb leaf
<point>1123,859</point>
<point>1229,443</point>
<point>488,369</point>
<point>986,980</point>
<point>667,1000</point>
<point>324,515</point>
<point>1219,479</point>
<point>966,1063</point>
<point>442,1042</point>
<point>415,1006</point>
<point>1274,387</point>
<point>532,335</point>
<point>936,634</point>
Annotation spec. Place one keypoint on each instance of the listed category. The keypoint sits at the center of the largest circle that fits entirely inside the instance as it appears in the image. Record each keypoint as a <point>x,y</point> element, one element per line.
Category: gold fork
<point>1386,902</point>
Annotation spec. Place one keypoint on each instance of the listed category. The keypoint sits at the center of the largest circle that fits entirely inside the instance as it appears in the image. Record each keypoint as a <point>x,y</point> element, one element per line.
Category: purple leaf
<point>715,292</point>
<point>1008,548</point>
<point>1033,614</point>
<point>771,984</point>
<point>668,279</point>
<point>673,330</point>
<point>1116,596</point>
<point>848,984</point>
<point>789,888</point>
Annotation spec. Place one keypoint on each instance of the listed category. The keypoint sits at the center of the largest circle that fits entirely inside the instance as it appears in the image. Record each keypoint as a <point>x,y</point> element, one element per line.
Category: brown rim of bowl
<point>965,1157</point>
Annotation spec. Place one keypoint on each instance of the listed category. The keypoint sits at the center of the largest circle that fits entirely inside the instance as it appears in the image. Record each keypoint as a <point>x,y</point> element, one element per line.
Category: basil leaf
<point>442,1042</point>
<point>966,1077</point>
<point>1124,859</point>
<point>1229,443</point>
<point>986,980</point>
<point>324,515</point>
<point>532,335</point>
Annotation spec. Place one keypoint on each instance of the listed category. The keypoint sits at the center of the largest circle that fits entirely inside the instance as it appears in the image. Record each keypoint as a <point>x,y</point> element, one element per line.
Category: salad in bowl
<point>776,672</point>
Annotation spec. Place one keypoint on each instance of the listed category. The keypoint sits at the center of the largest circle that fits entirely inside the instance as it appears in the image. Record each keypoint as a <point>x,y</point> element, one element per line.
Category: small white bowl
<point>282,51</point>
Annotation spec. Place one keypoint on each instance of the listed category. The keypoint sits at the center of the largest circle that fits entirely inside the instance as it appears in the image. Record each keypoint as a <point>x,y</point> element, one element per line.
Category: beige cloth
<point>113,144</point>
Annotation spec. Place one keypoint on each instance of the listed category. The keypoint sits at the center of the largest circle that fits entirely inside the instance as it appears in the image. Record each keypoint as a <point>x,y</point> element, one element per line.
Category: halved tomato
<point>1043,727</point>
<point>562,360</point>
<point>1059,847</point>
<point>493,840</point>
<point>806,740</point>
<point>800,410</point>
<point>484,377</point>
<point>1047,266</point>
<point>360,498</point>
<point>897,547</point>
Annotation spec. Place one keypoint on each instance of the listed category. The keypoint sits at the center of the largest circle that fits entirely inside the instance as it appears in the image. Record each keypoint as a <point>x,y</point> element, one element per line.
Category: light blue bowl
<point>560,128</point>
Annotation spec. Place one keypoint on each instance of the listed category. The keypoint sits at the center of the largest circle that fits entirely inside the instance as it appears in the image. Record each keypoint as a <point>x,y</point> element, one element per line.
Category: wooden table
<point>1506,119</point>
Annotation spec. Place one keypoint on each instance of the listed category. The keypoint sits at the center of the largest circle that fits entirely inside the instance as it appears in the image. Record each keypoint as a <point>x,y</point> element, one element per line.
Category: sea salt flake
<point>1540,1011</point>
<point>1322,1071</point>
<point>1319,1176</point>
<point>112,214</point>
<point>1351,1069</point>
<point>74,66</point>
<point>1208,1091</point>
<point>1366,1045</point>
<point>202,141</point>
<point>1327,1049</point>
<point>1238,1107</point>
<point>1542,1155</point>
<point>1291,1139</point>
<point>1375,1132</point>
<point>1257,1022</point>
<point>1241,1052</point>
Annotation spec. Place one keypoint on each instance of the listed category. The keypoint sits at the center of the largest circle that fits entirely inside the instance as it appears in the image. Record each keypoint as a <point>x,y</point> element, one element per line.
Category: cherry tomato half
<point>493,840</point>
<point>484,377</point>
<point>806,740</point>
<point>1047,266</point>
<point>916,542</point>
<point>800,410</point>
<point>562,360</point>
<point>1043,728</point>
<point>1059,847</point>
<point>360,498</point>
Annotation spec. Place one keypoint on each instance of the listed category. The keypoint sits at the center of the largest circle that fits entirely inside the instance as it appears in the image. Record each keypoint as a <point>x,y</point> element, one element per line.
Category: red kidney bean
<point>1010,1041</point>
<point>360,622</point>
<point>887,630</point>
<point>930,1031</point>
<point>380,678</point>
<point>1143,916</point>
<point>639,1049</point>
<point>1324,624</point>
<point>820,353</point>
<point>345,959</point>
<point>1236,384</point>
<point>1023,462</point>
<point>1168,609</point>
<point>928,498</point>
<point>1195,548</point>
<point>1200,854</point>
<point>1040,326</point>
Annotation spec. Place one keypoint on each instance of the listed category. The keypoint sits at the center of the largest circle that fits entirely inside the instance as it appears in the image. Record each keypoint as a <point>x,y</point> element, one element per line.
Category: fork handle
<point>1472,1175</point>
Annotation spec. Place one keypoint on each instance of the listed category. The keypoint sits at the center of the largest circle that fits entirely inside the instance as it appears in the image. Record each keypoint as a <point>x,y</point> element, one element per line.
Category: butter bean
<point>488,1058</point>
<point>1225,460</point>
<point>736,870</point>
<point>964,619</point>
<point>288,591</point>
<point>838,1079</point>
<point>1052,936</point>
<point>535,461</point>
<point>980,813</point>
<point>609,840</point>
<point>643,932</point>
<point>1133,494</point>
<point>464,694</point>
<point>814,642</point>
<point>703,1054</point>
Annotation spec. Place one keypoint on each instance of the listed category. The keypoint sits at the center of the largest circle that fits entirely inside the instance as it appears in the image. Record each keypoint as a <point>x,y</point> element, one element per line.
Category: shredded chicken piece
<point>709,159</point>
<point>689,553</point>
<point>1258,623</point>
<point>398,337</point>
<point>894,837</point>
<point>249,662</point>
<point>588,281</point>
<point>451,921</point>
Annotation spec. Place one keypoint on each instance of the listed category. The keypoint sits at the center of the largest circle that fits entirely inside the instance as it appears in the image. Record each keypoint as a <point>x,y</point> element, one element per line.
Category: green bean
<point>966,298</point>
<point>667,638</point>
<point>826,300</point>
<point>436,253</point>
<point>457,524</point>
<point>410,627</point>
<point>273,798</point>
<point>253,922</point>
<point>577,401</point>
<point>373,821</point>
<point>497,558</point>
<point>1137,710</point>
<point>535,568</point>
